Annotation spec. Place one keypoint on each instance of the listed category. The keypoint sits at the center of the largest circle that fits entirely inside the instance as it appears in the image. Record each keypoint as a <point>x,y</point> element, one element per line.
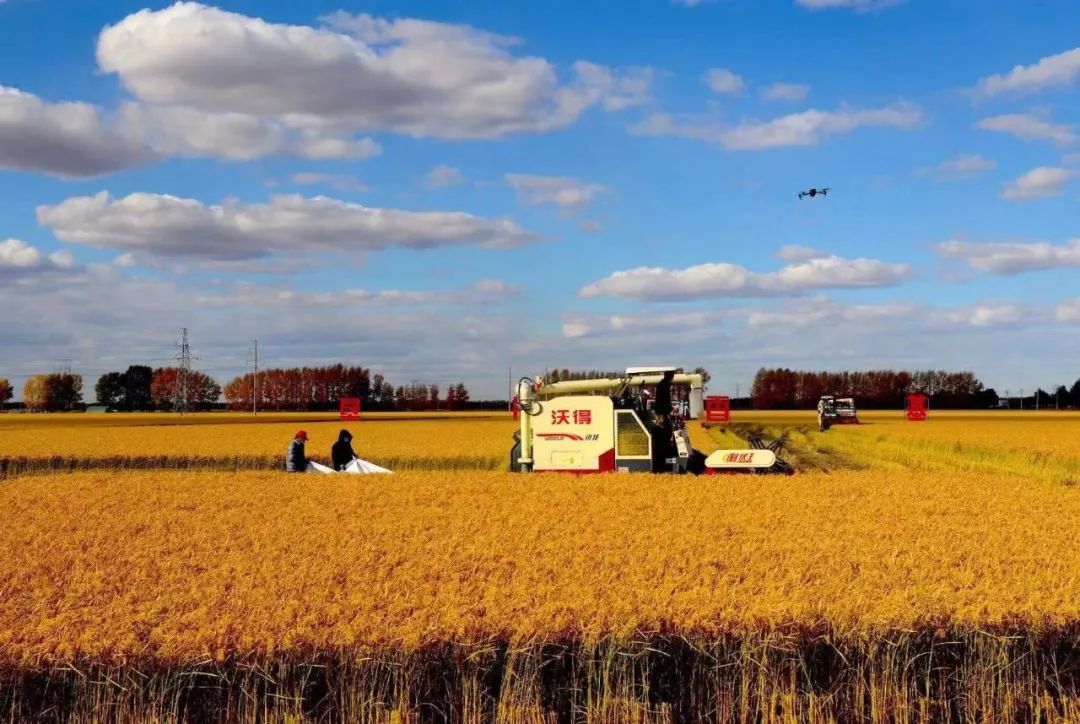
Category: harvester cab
<point>610,425</point>
<point>846,413</point>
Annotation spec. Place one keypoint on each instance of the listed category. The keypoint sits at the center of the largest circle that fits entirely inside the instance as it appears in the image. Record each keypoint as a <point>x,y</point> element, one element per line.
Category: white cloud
<point>324,146</point>
<point>1038,183</point>
<point>441,177</point>
<point>796,253</point>
<point>808,128</point>
<point>141,314</point>
<point>722,80</point>
<point>988,315</point>
<point>359,73</point>
<point>962,167</point>
<point>188,132</point>
<point>657,284</point>
<point>1012,258</point>
<point>1029,128</point>
<point>19,260</point>
<point>617,89</point>
<point>590,226</point>
<point>1068,311</point>
<point>169,226</point>
<point>785,92</point>
<point>564,192</point>
<point>64,139</point>
<point>899,318</point>
<point>691,3</point>
<point>576,326</point>
<point>483,292</point>
<point>77,140</point>
<point>1052,71</point>
<point>858,5</point>
<point>824,313</point>
<point>338,181</point>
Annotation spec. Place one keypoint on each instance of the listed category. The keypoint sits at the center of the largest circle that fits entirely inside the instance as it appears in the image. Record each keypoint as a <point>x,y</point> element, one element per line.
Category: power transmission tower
<point>255,381</point>
<point>183,370</point>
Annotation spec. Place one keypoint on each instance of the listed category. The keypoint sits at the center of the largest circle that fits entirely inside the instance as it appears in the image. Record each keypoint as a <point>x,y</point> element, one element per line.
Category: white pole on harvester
<point>525,405</point>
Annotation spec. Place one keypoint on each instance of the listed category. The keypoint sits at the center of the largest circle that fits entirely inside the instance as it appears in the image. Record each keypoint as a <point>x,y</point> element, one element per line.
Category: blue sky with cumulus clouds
<point>440,190</point>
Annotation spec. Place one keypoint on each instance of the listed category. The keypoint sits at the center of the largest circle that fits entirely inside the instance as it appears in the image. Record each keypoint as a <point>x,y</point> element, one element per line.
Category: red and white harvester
<point>608,425</point>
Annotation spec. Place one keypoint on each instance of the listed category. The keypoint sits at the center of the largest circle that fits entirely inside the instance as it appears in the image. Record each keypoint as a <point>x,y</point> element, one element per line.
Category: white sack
<point>356,467</point>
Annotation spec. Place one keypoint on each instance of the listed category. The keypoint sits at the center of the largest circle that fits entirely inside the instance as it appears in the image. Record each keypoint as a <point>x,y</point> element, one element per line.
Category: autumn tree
<point>6,391</point>
<point>34,394</point>
<point>109,389</point>
<point>137,393</point>
<point>58,392</point>
<point>457,396</point>
<point>63,392</point>
<point>202,390</point>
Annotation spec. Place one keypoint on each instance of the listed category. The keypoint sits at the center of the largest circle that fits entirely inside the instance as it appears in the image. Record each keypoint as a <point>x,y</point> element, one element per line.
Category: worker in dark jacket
<point>662,403</point>
<point>663,431</point>
<point>342,452</point>
<point>295,459</point>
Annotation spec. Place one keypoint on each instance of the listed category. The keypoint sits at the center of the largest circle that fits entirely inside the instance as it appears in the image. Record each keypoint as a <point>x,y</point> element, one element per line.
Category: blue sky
<point>439,190</point>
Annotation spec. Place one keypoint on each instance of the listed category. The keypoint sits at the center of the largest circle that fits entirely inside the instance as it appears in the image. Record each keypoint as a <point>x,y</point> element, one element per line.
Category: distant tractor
<point>610,425</point>
<point>836,411</point>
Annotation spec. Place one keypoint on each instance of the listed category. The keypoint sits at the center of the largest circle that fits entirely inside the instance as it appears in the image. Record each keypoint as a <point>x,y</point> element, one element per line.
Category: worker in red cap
<point>295,459</point>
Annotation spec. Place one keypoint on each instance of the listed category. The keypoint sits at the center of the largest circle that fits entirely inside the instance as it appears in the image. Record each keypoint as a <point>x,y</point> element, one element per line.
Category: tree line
<point>785,389</point>
<point>322,388</point>
<point>140,388</point>
<point>143,389</point>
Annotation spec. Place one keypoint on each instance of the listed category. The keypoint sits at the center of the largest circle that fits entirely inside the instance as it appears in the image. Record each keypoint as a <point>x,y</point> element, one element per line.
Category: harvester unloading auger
<point>605,425</point>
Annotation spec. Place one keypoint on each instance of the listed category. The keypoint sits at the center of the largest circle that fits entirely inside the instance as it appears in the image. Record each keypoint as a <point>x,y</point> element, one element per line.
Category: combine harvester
<point>833,411</point>
<point>606,425</point>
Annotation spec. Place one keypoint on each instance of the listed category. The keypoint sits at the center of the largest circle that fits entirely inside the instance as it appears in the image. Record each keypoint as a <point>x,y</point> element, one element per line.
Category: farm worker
<point>295,459</point>
<point>664,431</point>
<point>342,452</point>
<point>662,403</point>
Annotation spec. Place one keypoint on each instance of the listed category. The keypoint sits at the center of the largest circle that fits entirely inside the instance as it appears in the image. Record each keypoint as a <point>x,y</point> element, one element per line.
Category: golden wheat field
<point>235,442</point>
<point>434,441</point>
<point>909,573</point>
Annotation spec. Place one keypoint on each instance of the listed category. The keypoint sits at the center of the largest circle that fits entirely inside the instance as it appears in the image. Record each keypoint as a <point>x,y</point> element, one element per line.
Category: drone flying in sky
<point>814,192</point>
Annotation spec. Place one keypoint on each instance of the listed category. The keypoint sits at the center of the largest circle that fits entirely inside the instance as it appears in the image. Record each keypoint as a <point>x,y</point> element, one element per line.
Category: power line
<point>255,380</point>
